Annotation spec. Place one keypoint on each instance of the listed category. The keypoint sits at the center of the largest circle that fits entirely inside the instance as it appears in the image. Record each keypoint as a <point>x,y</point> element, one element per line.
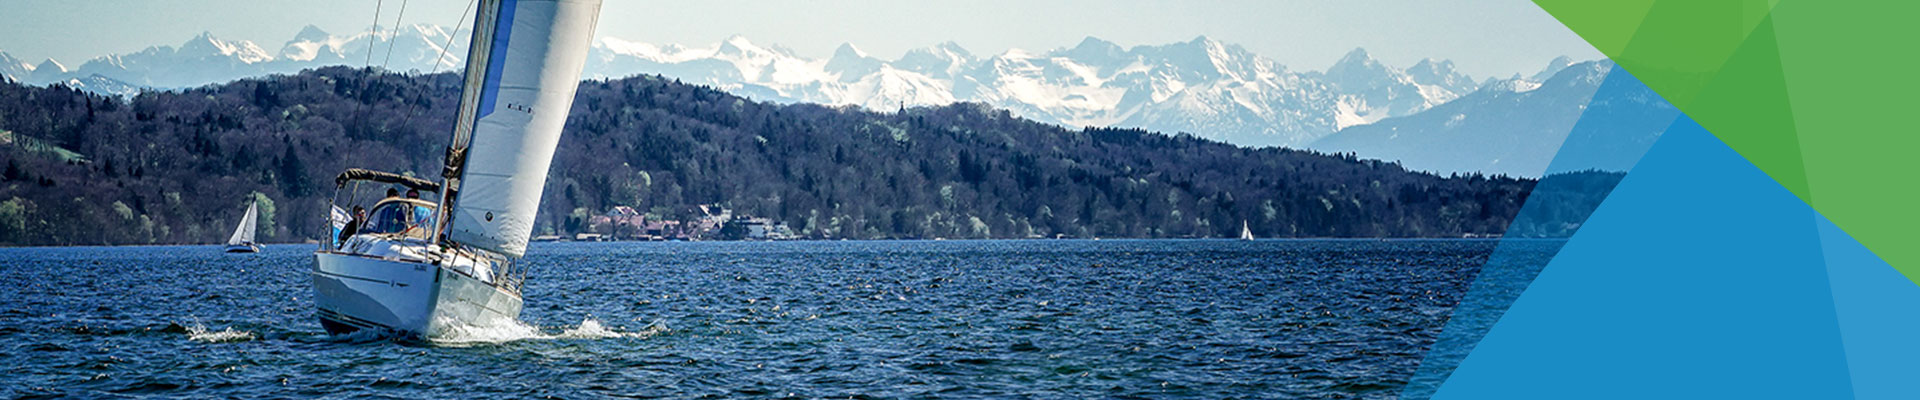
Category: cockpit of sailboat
<point>399,228</point>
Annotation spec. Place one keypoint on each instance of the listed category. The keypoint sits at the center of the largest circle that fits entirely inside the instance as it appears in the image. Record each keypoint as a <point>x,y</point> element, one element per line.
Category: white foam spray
<point>200,333</point>
<point>514,330</point>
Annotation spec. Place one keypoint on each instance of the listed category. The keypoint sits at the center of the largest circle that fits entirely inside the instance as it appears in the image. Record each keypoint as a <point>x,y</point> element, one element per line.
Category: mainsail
<point>521,75</point>
<point>248,224</point>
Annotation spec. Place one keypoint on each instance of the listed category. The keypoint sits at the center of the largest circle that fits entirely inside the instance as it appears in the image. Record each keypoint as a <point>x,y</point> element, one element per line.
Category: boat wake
<point>200,333</point>
<point>513,330</point>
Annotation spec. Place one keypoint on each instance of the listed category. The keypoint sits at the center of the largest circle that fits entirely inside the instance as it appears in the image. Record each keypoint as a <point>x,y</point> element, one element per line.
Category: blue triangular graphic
<point>1622,120</point>
<point>1699,277</point>
<point>1875,305</point>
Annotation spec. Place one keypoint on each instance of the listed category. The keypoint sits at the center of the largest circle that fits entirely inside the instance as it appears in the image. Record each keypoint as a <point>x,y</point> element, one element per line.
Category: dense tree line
<point>179,167</point>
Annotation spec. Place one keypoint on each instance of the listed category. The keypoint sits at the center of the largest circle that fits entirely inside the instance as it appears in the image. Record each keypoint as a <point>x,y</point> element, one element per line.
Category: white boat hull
<point>413,299</point>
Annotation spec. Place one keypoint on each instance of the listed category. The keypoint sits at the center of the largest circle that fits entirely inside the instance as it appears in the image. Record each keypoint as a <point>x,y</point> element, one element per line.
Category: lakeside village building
<point>708,222</point>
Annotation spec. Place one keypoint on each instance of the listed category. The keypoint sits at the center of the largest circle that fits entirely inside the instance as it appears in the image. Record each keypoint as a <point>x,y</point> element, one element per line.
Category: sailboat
<point>242,239</point>
<point>1245,233</point>
<point>422,268</point>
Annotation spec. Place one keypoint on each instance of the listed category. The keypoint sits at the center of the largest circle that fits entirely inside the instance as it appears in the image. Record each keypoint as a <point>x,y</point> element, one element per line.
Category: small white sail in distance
<point>249,223</point>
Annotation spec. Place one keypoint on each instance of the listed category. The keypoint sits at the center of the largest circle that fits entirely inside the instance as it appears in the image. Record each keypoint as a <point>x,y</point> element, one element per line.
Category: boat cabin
<point>411,218</point>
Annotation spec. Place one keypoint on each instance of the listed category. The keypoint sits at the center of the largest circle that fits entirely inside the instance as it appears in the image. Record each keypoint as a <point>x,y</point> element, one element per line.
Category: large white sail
<point>248,224</point>
<point>521,77</point>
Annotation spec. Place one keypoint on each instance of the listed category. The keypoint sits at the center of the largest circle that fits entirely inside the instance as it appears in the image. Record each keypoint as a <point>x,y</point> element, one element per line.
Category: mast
<point>479,55</point>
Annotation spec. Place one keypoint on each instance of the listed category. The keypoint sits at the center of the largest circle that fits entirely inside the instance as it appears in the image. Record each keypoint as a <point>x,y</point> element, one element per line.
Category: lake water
<point>954,319</point>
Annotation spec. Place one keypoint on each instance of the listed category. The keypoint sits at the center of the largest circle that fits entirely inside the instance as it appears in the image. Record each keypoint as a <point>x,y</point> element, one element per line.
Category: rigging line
<point>366,82</point>
<point>391,38</point>
<point>448,45</point>
<point>373,33</point>
<point>413,107</point>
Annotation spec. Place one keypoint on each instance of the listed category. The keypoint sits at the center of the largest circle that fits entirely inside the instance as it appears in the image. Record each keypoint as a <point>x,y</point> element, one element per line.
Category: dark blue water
<point>969,319</point>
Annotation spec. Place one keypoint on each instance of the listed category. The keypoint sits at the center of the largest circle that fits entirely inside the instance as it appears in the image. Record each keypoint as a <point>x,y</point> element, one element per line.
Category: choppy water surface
<point>983,319</point>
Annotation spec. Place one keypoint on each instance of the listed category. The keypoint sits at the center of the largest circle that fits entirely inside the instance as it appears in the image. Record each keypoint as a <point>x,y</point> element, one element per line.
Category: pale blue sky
<point>1483,37</point>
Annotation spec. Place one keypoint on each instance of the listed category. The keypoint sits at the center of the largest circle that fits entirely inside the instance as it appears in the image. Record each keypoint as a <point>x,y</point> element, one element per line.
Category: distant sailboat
<point>242,239</point>
<point>423,269</point>
<point>1245,233</point>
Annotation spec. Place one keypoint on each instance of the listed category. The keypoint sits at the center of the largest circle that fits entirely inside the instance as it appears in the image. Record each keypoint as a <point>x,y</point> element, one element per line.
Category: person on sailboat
<point>421,214</point>
<point>396,217</point>
<point>353,226</point>
<point>392,193</point>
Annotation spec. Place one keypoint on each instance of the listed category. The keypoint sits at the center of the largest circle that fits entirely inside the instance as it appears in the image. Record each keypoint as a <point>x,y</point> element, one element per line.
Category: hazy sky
<point>1482,37</point>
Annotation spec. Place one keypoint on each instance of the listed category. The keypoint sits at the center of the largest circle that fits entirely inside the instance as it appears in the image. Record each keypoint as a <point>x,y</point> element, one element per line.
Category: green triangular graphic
<point>1747,99</point>
<point>1607,25</point>
<point>1841,126</point>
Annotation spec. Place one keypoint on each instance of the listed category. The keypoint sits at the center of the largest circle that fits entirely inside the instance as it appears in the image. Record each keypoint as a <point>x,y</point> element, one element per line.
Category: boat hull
<point>411,299</point>
<point>243,248</point>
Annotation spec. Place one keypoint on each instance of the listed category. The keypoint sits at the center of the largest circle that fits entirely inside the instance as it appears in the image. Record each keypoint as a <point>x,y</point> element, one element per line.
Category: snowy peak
<point>207,46</point>
<point>103,85</point>
<point>851,63</point>
<point>12,68</point>
<point>1590,73</point>
<point>1228,58</point>
<point>47,71</point>
<point>739,46</point>
<point>1561,72</point>
<point>939,61</point>
<point>1359,71</point>
<point>1358,59</point>
<point>1200,58</point>
<point>1093,50</point>
<point>1434,69</point>
<point>1372,90</point>
<point>1441,73</point>
<point>50,66</point>
<point>737,41</point>
<point>1553,67</point>
<point>949,48</point>
<point>618,47</point>
<point>847,51</point>
<point>311,33</point>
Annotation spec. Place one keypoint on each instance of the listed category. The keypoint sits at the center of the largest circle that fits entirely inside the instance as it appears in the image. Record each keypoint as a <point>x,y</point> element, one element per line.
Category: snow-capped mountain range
<point>1203,86</point>
<point>1579,116</point>
<point>206,59</point>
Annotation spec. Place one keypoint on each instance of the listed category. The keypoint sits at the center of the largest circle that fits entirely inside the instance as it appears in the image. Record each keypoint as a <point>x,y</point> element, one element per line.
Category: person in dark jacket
<point>353,226</point>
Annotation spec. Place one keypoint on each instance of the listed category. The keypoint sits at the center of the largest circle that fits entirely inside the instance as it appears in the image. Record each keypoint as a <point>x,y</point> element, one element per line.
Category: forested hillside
<point>179,167</point>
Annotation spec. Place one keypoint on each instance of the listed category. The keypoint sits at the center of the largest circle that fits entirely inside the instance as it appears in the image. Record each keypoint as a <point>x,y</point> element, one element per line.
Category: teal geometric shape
<point>1611,134</point>
<point>1874,303</point>
<point>1699,277</point>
